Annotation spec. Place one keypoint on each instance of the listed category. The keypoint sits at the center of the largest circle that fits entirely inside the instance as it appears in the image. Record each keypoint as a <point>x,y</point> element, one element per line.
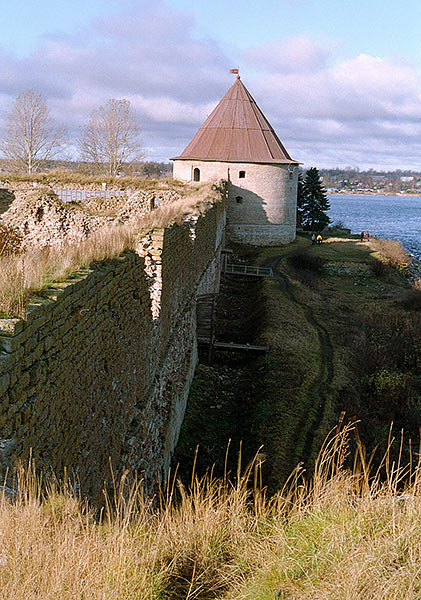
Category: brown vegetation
<point>392,252</point>
<point>58,178</point>
<point>342,534</point>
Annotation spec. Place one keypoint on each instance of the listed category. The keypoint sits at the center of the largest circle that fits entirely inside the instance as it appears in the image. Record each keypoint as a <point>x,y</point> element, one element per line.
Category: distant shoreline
<point>374,194</point>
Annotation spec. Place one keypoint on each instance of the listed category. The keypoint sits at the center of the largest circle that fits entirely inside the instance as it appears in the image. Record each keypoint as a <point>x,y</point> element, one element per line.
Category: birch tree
<point>30,136</point>
<point>111,137</point>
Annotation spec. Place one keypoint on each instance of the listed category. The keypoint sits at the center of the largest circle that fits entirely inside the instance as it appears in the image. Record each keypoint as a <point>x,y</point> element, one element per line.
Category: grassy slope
<point>339,300</point>
<point>315,325</point>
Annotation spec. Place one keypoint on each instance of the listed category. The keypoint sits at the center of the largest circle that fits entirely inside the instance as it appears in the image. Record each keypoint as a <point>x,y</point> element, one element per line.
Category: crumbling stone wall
<point>6,199</point>
<point>99,371</point>
<point>43,219</point>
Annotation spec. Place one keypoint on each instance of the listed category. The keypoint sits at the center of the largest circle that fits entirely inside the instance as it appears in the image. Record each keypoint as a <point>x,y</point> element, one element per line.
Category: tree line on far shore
<point>109,141</point>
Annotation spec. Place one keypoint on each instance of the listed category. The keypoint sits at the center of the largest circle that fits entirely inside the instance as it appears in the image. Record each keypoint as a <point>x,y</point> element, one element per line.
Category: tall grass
<point>345,534</point>
<point>24,274</point>
<point>392,252</point>
<point>57,178</point>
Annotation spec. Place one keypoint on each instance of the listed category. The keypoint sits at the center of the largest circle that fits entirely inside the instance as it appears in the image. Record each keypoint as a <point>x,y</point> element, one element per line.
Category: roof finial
<point>236,72</point>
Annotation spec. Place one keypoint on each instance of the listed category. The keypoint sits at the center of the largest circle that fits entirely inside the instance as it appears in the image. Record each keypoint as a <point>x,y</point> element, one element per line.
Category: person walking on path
<point>362,236</point>
<point>313,238</point>
<point>319,239</point>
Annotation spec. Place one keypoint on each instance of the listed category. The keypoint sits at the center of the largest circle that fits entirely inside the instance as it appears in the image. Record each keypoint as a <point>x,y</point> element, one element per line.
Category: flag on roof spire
<point>234,71</point>
<point>237,131</point>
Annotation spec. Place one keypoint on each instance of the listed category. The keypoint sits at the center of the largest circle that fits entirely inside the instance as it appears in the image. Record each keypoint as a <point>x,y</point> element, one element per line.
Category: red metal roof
<point>237,131</point>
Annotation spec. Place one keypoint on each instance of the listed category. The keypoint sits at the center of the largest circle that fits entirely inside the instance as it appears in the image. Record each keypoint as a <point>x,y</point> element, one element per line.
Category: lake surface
<point>394,217</point>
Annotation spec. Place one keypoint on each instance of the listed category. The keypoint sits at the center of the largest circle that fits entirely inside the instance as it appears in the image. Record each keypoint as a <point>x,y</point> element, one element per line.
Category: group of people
<point>365,235</point>
<point>316,239</point>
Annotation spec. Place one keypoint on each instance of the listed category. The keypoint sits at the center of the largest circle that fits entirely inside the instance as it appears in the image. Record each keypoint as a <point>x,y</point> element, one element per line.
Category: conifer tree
<point>315,203</point>
<point>300,200</point>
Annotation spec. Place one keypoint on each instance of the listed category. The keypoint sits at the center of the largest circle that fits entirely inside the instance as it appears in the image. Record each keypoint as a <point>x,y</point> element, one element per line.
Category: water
<point>393,217</point>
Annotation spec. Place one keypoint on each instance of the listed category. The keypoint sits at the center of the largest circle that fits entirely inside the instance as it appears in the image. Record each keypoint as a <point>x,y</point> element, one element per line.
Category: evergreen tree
<point>315,203</point>
<point>300,200</point>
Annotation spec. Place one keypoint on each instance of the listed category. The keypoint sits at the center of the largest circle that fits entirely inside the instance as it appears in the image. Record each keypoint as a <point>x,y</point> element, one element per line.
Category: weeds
<point>58,178</point>
<point>346,533</point>
<point>411,299</point>
<point>392,252</point>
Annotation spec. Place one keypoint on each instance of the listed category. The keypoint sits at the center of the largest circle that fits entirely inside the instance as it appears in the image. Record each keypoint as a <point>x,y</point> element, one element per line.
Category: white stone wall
<point>266,213</point>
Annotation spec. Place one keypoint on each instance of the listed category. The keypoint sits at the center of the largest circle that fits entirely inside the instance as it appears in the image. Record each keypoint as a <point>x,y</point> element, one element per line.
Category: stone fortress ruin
<point>98,370</point>
<point>237,143</point>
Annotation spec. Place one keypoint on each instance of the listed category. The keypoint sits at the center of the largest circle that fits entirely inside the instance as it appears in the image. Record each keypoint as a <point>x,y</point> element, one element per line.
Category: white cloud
<point>298,54</point>
<point>324,108</point>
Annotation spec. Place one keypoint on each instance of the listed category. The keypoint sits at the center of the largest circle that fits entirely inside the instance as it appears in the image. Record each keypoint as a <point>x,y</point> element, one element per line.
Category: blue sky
<point>339,81</point>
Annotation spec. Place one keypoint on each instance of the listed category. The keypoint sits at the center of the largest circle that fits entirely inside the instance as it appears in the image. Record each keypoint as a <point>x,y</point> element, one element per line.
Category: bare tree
<point>30,136</point>
<point>111,137</point>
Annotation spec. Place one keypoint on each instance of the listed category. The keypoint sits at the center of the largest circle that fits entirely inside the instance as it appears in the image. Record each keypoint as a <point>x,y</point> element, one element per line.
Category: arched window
<point>239,199</point>
<point>196,174</point>
<point>242,174</point>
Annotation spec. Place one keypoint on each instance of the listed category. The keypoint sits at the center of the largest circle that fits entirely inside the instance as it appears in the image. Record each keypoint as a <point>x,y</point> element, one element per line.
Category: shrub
<point>411,299</point>
<point>303,259</point>
<point>378,268</point>
<point>392,252</point>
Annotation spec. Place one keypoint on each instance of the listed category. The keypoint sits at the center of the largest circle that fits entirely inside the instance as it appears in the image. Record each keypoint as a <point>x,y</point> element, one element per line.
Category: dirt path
<point>325,375</point>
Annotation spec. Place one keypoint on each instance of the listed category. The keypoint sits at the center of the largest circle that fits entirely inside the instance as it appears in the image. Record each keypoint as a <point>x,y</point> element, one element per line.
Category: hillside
<point>343,326</point>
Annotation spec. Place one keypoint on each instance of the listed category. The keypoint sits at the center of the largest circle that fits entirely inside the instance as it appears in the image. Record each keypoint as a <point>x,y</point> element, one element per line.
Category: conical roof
<point>237,131</point>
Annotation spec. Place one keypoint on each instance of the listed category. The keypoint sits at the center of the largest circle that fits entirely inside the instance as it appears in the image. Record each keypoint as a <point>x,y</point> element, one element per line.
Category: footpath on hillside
<point>343,326</point>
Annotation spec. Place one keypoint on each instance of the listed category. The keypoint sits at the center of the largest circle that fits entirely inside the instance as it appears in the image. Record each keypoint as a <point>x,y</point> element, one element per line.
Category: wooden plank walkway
<point>254,271</point>
<point>237,347</point>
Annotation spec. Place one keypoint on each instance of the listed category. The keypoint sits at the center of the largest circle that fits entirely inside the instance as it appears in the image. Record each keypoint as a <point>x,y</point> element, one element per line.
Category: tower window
<point>196,174</point>
<point>242,174</point>
<point>239,199</point>
<point>291,174</point>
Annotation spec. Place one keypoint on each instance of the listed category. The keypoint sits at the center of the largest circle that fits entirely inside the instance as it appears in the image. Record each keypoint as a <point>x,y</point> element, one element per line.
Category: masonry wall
<point>261,207</point>
<point>100,370</point>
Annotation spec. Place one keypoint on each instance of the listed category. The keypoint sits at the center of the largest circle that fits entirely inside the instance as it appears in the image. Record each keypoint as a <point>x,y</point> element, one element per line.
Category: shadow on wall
<point>246,207</point>
<point>6,199</point>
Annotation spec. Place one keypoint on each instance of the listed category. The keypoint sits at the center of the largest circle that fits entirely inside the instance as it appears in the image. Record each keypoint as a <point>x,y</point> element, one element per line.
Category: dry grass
<point>392,252</point>
<point>58,178</point>
<point>345,534</point>
<point>24,274</point>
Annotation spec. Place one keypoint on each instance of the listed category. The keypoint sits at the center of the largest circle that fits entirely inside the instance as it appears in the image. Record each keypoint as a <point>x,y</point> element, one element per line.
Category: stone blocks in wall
<point>262,202</point>
<point>100,370</point>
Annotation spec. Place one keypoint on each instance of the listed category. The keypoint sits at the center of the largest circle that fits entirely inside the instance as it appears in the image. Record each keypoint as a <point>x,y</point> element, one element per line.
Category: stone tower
<point>237,143</point>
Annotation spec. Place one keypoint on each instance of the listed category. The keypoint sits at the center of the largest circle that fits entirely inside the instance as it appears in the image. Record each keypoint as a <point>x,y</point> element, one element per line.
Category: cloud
<point>149,55</point>
<point>298,54</point>
<point>365,107</point>
<point>326,109</point>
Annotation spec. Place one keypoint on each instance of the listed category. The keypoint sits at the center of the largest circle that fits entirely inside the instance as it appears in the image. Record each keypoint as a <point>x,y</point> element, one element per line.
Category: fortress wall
<point>266,214</point>
<point>6,199</point>
<point>100,369</point>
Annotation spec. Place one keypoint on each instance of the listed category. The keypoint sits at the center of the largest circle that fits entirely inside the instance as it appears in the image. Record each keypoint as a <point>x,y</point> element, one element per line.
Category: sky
<point>340,82</point>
